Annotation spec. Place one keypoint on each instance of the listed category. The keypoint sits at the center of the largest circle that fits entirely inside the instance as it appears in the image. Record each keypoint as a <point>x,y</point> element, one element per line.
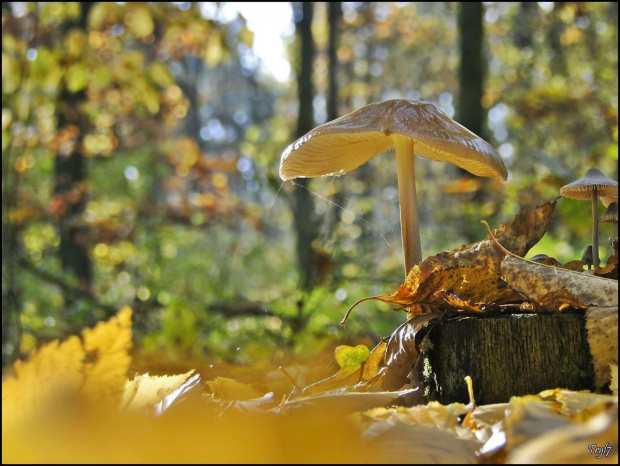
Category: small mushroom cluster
<point>410,127</point>
<point>593,186</point>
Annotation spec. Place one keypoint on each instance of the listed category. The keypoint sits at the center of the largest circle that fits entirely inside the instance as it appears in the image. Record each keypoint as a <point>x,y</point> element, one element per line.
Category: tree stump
<point>506,356</point>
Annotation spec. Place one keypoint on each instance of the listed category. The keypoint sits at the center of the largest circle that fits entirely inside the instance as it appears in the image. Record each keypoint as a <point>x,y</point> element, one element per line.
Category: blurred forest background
<point>141,145</point>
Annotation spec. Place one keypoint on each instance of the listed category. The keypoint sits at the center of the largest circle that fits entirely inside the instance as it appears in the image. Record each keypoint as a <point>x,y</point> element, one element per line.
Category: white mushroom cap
<point>342,145</point>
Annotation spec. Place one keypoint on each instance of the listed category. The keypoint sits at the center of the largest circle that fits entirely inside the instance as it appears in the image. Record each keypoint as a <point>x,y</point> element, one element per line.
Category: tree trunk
<point>508,356</point>
<point>334,16</point>
<point>306,227</point>
<point>69,193</point>
<point>471,70</point>
<point>11,302</point>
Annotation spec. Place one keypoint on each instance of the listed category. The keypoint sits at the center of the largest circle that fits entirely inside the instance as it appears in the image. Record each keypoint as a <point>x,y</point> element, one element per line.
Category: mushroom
<point>586,257</point>
<point>591,186</point>
<point>611,216</point>
<point>342,145</point>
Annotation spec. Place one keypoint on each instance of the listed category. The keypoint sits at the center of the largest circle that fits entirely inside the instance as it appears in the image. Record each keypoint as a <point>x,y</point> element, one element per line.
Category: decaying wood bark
<point>508,356</point>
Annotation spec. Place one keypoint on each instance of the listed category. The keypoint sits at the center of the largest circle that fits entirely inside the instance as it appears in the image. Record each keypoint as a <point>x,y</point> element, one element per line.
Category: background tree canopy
<point>141,145</point>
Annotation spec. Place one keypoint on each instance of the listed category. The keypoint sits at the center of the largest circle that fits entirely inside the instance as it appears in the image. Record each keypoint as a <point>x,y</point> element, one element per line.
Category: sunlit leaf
<point>226,389</point>
<point>139,20</point>
<point>77,77</point>
<point>107,360</point>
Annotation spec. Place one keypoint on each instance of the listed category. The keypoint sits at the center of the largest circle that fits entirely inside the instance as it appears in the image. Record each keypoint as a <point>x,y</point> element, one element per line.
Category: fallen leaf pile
<point>72,403</point>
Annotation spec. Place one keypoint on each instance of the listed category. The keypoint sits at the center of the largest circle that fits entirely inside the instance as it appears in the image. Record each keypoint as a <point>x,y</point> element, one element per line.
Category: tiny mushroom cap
<point>611,214</point>
<point>342,145</point>
<point>586,257</point>
<point>592,186</point>
<point>592,181</point>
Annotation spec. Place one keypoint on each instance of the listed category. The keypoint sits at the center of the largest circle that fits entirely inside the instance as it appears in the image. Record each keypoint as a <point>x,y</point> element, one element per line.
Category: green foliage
<point>187,220</point>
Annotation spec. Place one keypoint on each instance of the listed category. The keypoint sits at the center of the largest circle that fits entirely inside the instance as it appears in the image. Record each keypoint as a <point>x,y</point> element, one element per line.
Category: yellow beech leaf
<point>51,374</point>
<point>145,391</point>
<point>350,358</point>
<point>59,372</point>
<point>226,389</point>
<point>107,356</point>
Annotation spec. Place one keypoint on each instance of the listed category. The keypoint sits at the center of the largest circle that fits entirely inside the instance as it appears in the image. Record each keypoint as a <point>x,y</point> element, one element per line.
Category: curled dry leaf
<point>610,270</point>
<point>595,441</point>
<point>472,272</point>
<point>576,265</point>
<point>552,288</point>
<point>602,328</point>
<point>373,363</point>
<point>402,352</point>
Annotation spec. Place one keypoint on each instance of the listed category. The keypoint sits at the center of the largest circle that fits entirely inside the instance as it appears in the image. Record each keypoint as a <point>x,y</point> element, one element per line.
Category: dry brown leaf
<point>456,302</point>
<point>595,441</point>
<point>472,272</point>
<point>576,266</point>
<point>610,270</point>
<point>425,434</point>
<point>401,354</point>
<point>554,289</point>
<point>602,328</point>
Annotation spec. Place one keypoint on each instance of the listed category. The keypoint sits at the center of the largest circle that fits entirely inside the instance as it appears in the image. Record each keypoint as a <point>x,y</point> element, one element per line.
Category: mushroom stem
<point>409,226</point>
<point>595,257</point>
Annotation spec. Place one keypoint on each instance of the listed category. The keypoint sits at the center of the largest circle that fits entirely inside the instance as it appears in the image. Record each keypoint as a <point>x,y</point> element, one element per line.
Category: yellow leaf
<point>139,21</point>
<point>107,356</point>
<point>77,77</point>
<point>375,359</point>
<point>350,358</point>
<point>51,374</point>
<point>226,389</point>
<point>145,391</point>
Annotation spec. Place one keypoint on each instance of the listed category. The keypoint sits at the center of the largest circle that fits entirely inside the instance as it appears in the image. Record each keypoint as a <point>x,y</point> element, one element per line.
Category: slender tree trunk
<point>70,196</point>
<point>334,18</point>
<point>470,112</point>
<point>303,203</point>
<point>11,322</point>
<point>471,70</point>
